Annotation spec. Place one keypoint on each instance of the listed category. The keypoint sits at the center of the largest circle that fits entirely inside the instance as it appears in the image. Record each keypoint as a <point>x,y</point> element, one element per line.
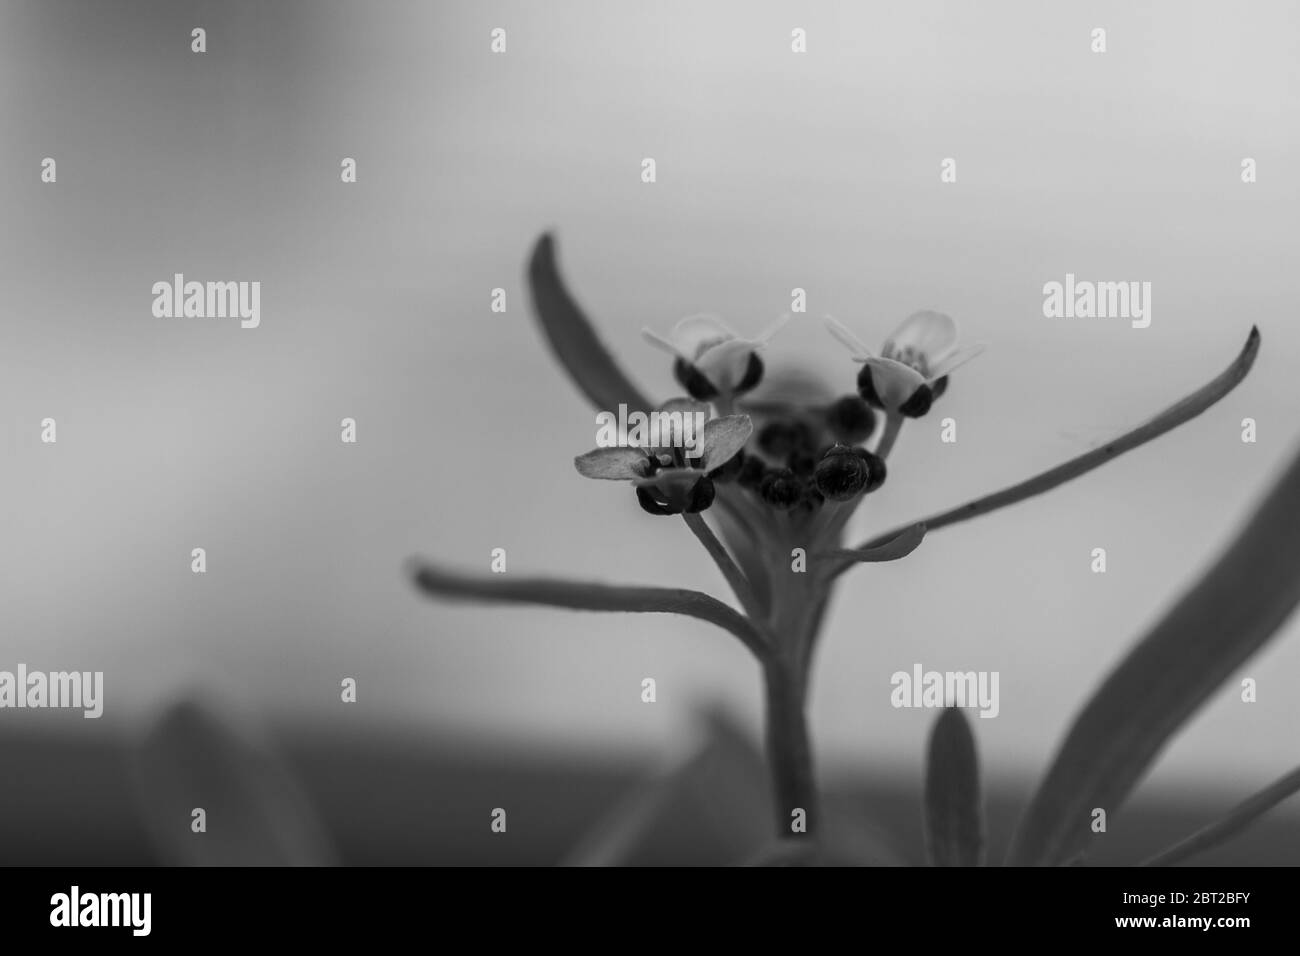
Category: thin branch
<point>893,425</point>
<point>1236,820</point>
<point>1170,418</point>
<point>735,577</point>
<point>585,596</point>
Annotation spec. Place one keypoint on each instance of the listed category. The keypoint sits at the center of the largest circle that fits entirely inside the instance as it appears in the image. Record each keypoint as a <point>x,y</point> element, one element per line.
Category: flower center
<point>706,344</point>
<point>909,355</point>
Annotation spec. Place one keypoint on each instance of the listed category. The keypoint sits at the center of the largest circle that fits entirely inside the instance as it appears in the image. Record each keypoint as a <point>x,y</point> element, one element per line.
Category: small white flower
<point>667,482</point>
<point>920,352</point>
<point>706,344</point>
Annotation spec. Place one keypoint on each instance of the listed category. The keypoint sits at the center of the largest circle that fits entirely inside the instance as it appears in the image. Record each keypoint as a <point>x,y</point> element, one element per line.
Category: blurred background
<point>775,170</point>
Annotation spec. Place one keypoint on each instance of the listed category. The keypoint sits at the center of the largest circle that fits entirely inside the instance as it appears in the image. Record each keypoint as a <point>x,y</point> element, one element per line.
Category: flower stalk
<point>782,502</point>
<point>789,749</point>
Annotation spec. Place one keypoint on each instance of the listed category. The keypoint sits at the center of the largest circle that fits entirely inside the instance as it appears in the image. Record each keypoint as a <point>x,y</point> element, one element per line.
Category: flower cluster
<point>802,457</point>
<point>783,477</point>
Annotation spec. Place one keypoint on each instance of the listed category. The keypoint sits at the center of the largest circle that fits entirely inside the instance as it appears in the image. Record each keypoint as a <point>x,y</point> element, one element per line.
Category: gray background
<point>775,170</point>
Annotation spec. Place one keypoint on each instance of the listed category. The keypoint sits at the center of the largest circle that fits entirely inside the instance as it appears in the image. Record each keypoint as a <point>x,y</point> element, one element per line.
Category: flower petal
<point>612,464</point>
<point>671,480</point>
<point>725,363</point>
<point>659,342</point>
<point>894,382</point>
<point>687,406</point>
<point>685,434</point>
<point>931,334</point>
<point>776,327</point>
<point>857,348</point>
<point>954,359</point>
<point>723,438</point>
<point>696,333</point>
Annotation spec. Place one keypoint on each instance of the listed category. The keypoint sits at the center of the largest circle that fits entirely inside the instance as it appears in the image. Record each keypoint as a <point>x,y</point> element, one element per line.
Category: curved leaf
<point>1228,615</point>
<point>256,811</point>
<point>1169,419</point>
<point>900,545</point>
<point>583,596</point>
<point>954,816</point>
<point>1236,820</point>
<point>572,338</point>
<point>740,585</point>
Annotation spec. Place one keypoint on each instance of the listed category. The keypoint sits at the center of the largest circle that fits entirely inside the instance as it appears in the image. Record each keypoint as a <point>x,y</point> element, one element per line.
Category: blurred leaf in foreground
<point>1228,615</point>
<point>255,811</point>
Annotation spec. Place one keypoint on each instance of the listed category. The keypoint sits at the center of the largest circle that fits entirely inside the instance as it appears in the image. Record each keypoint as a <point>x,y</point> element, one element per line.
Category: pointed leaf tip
<point>954,816</point>
<point>572,338</point>
<point>1223,619</point>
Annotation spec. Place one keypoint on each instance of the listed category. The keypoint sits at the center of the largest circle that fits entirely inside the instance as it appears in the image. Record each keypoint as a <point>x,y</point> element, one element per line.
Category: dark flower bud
<point>842,474</point>
<point>731,469</point>
<point>693,380</point>
<point>701,495</point>
<point>777,439</point>
<point>939,386</point>
<point>753,374</point>
<point>650,504</point>
<point>812,500</point>
<point>781,439</point>
<point>781,489</point>
<point>918,404</point>
<point>876,469</point>
<point>851,419</point>
<point>801,463</point>
<point>867,388</point>
<point>751,472</point>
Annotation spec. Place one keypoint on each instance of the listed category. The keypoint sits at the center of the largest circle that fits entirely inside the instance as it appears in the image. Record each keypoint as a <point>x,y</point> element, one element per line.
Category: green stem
<point>893,425</point>
<point>788,749</point>
<point>735,577</point>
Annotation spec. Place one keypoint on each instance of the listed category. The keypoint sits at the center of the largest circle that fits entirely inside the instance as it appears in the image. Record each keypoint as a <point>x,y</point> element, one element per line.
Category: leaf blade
<point>954,816</point>
<point>571,336</point>
<point>1220,622</point>
<point>1232,823</point>
<point>257,812</point>
<point>1173,416</point>
<point>900,545</point>
<point>582,596</point>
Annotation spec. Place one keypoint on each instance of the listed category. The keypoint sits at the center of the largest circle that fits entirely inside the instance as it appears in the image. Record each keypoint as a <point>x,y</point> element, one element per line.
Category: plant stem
<point>722,558</point>
<point>789,753</point>
<point>893,425</point>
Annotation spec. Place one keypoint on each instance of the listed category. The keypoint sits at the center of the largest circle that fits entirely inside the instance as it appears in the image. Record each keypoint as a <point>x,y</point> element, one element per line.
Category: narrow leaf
<point>900,545</point>
<point>1228,615</point>
<point>1236,820</point>
<point>572,338</point>
<point>711,805</point>
<point>1169,419</point>
<point>583,596</point>
<point>740,584</point>
<point>954,815</point>
<point>254,809</point>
